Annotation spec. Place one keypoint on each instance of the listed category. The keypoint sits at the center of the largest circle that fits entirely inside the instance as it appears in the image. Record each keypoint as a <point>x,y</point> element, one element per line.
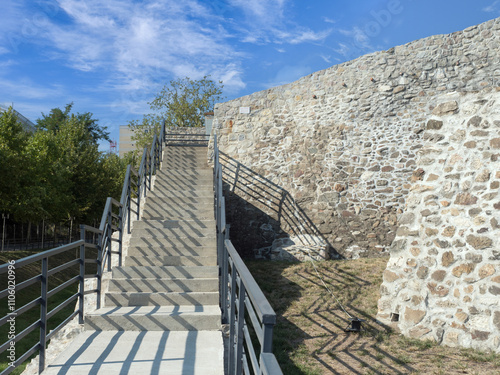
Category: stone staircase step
<point>163,285</point>
<point>171,251</point>
<point>173,152</point>
<point>199,224</point>
<point>155,318</point>
<point>150,214</point>
<point>161,299</point>
<point>186,193</point>
<point>171,261</point>
<point>172,242</point>
<point>169,173</point>
<point>202,184</point>
<point>177,208</point>
<point>181,232</point>
<point>164,272</point>
<point>192,182</point>
<point>185,164</point>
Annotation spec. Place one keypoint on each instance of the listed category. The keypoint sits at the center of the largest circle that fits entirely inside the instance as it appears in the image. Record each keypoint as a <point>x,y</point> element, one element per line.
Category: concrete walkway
<point>161,313</point>
<point>142,352</point>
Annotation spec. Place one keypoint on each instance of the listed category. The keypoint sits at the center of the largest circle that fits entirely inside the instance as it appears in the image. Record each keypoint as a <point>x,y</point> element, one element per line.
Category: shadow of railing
<point>318,322</point>
<point>168,351</point>
<point>272,200</point>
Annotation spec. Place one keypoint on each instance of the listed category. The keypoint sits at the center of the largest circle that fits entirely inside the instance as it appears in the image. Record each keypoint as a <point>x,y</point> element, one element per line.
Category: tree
<point>13,142</point>
<point>56,117</point>
<point>183,102</point>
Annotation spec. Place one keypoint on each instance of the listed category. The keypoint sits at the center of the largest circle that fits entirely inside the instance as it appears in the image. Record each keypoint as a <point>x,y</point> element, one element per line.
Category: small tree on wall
<point>183,102</point>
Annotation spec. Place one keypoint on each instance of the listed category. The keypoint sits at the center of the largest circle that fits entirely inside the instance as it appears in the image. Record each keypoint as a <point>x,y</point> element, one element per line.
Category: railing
<point>114,217</point>
<point>243,304</point>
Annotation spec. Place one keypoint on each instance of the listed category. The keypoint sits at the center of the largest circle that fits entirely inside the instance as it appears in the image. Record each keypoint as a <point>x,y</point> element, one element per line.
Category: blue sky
<point>111,57</point>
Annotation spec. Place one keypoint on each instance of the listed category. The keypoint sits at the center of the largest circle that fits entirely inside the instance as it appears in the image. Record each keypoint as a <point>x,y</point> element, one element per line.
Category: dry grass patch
<point>310,337</point>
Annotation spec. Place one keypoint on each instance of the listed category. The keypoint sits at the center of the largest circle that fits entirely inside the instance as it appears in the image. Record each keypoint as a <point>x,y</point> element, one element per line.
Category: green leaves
<point>57,173</point>
<point>183,102</point>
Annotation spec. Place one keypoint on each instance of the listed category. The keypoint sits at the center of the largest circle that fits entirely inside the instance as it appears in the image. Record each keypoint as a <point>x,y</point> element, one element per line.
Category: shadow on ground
<point>310,335</point>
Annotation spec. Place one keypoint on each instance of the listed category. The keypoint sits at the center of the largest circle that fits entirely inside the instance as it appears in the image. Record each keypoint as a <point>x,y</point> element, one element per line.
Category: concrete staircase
<point>170,278</point>
<point>161,312</point>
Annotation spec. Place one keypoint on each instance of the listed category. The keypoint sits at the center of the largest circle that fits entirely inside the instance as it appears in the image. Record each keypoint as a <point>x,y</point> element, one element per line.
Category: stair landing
<point>144,352</point>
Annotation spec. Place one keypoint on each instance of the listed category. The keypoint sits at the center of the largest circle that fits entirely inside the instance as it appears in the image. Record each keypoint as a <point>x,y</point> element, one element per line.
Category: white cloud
<point>343,49</point>
<point>26,88</point>
<point>329,20</point>
<point>264,12</point>
<point>310,36</point>
<point>358,36</point>
<point>139,42</point>
<point>492,7</point>
<point>267,22</point>
<point>327,59</point>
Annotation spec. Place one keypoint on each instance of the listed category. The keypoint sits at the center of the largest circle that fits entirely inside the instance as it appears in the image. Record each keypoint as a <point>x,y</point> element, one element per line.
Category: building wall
<point>125,143</point>
<point>400,142</point>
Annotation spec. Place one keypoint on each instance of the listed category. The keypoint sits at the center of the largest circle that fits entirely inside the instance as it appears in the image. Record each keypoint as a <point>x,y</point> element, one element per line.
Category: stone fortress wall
<point>407,138</point>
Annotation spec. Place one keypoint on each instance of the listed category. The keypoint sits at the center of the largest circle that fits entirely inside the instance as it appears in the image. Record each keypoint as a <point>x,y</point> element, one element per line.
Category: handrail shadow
<point>318,323</point>
<point>272,200</point>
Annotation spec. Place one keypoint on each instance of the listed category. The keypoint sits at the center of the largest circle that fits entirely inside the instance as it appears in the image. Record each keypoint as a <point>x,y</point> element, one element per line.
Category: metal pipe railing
<point>242,302</point>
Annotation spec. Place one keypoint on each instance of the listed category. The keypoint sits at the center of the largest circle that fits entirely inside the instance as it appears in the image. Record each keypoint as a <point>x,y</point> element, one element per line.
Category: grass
<point>309,336</point>
<point>31,293</point>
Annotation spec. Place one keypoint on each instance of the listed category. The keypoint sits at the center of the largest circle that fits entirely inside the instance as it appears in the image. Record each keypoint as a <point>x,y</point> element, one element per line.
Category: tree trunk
<point>28,235</point>
<point>43,231</point>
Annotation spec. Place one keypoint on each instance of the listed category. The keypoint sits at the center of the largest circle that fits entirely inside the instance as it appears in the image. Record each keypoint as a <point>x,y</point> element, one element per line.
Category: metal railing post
<point>129,198</point>
<point>99,269</point>
<point>139,182</point>
<point>120,234</point>
<point>224,278</point>
<point>239,332</point>
<point>43,314</point>
<point>232,322</point>
<point>110,234</point>
<point>267,339</point>
<point>81,295</point>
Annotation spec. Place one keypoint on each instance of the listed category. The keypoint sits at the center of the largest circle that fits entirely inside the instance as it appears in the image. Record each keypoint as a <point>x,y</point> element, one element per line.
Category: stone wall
<point>343,142</point>
<point>443,278</point>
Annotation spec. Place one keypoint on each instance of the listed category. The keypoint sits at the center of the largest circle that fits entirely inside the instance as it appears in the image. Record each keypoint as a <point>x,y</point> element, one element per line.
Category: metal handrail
<point>242,302</point>
<point>114,216</point>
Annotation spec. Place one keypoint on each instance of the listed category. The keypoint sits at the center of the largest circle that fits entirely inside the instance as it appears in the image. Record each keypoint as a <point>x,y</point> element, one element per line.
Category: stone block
<point>447,259</point>
<point>479,242</point>
<point>437,289</point>
<point>465,268</point>
<point>439,275</point>
<point>465,199</point>
<point>486,270</point>
<point>390,276</point>
<point>495,143</point>
<point>446,108</point>
<point>413,316</point>
<point>434,124</point>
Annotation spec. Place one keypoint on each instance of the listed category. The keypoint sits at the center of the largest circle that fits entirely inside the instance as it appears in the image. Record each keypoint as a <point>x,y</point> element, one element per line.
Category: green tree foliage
<point>57,173</point>
<point>13,142</point>
<point>183,102</point>
<point>56,117</point>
